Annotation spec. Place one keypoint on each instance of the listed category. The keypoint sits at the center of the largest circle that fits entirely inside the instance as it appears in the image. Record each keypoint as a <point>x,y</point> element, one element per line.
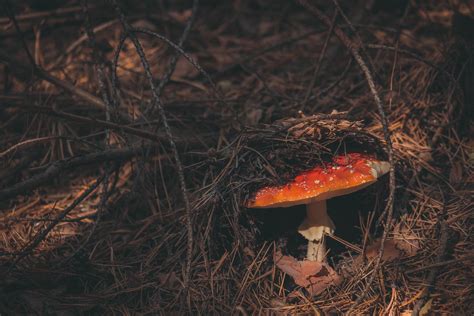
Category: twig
<point>57,167</point>
<point>182,53</point>
<point>261,52</point>
<point>40,72</point>
<point>442,263</point>
<point>26,71</point>
<point>99,64</point>
<point>12,17</point>
<point>320,60</point>
<point>166,77</point>
<point>42,14</point>
<point>411,54</point>
<point>7,175</point>
<point>182,182</point>
<point>42,234</point>
<point>78,42</point>
<point>27,143</point>
<point>46,219</point>
<point>103,200</point>
<point>354,49</point>
<point>84,119</point>
<point>110,105</point>
<point>335,82</point>
<point>358,39</point>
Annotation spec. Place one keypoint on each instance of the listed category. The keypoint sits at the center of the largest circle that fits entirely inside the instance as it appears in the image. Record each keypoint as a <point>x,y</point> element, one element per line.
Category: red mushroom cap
<point>345,174</point>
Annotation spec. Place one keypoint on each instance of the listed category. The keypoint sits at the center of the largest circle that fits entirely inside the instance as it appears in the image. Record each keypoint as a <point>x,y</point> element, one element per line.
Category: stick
<point>83,119</point>
<point>40,236</point>
<point>56,168</point>
<point>182,182</point>
<point>19,67</point>
<point>320,60</point>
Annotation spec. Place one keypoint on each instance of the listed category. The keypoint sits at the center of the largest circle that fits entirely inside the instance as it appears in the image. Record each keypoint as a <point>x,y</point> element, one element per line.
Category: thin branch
<point>26,71</point>
<point>320,60</point>
<point>99,65</point>
<point>166,77</point>
<point>83,119</point>
<point>191,60</point>
<point>411,54</point>
<point>103,200</point>
<point>26,144</point>
<point>261,52</point>
<point>40,236</point>
<point>56,168</point>
<point>12,17</point>
<point>182,182</point>
<point>42,14</point>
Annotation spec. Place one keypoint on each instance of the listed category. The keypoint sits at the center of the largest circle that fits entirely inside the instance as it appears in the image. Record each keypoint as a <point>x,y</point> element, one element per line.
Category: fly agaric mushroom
<point>345,174</point>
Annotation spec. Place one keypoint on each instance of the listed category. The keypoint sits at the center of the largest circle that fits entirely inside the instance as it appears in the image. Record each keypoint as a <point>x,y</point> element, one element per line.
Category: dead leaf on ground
<point>312,275</point>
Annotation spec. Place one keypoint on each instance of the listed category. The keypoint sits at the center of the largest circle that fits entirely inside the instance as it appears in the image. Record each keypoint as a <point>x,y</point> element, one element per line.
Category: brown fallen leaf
<point>312,275</point>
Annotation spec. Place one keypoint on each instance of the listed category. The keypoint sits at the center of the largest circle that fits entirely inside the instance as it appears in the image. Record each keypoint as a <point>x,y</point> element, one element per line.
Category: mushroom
<point>345,174</point>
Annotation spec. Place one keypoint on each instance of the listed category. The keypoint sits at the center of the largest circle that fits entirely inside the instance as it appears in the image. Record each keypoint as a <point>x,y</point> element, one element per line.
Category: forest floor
<point>133,135</point>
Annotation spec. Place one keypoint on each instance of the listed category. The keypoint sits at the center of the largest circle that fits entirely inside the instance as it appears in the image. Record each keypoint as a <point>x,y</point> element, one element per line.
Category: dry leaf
<point>312,275</point>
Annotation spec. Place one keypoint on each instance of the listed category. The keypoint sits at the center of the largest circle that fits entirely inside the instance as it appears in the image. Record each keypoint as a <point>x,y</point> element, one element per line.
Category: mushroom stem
<point>315,225</point>
<point>316,250</point>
